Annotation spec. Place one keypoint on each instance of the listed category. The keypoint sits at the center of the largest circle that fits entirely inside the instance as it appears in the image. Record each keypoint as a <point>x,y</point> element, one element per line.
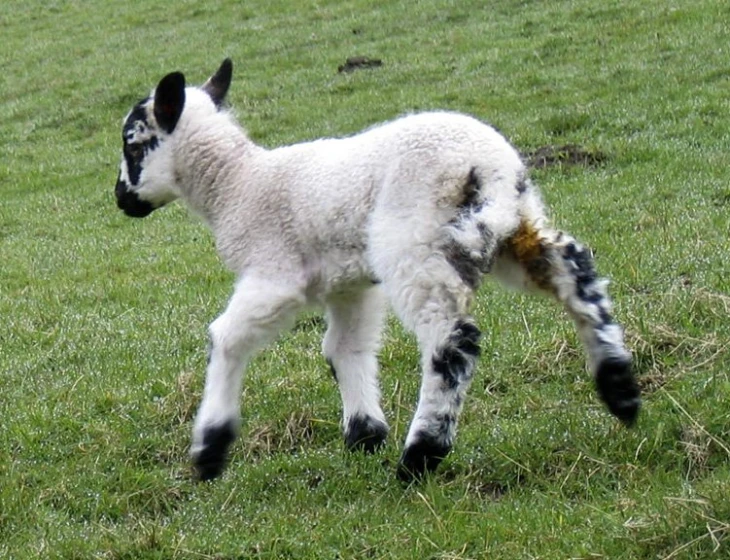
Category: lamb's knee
<point>257,312</point>
<point>223,340</point>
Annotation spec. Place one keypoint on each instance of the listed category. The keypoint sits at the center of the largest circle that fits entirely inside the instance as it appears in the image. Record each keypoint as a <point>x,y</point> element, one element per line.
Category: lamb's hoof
<point>421,457</point>
<point>211,459</point>
<point>618,389</point>
<point>364,433</point>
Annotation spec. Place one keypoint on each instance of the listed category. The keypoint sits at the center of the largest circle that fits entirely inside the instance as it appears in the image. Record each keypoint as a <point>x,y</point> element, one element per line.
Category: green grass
<point>102,344</point>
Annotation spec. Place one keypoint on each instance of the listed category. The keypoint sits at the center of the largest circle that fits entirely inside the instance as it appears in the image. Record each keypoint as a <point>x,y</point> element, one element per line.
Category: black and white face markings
<point>138,140</point>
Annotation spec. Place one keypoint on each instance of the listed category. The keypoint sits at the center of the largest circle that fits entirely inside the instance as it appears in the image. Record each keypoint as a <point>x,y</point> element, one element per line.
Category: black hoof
<point>366,434</point>
<point>618,389</point>
<point>419,458</point>
<point>212,458</point>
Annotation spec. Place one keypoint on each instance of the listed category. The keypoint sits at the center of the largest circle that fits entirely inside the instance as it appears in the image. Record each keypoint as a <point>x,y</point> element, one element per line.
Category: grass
<point>102,349</point>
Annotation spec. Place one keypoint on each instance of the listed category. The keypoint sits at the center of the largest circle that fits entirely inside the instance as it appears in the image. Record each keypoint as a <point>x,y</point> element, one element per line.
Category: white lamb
<point>415,211</point>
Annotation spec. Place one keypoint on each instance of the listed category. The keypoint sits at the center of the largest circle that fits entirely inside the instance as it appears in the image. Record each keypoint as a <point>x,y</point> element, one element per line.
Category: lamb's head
<point>147,177</point>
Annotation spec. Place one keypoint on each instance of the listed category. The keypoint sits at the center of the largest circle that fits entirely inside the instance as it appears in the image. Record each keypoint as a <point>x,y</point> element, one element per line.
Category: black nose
<point>130,203</point>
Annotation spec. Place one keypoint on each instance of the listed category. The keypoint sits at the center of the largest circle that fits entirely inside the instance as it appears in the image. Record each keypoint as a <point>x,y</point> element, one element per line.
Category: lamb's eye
<point>135,150</point>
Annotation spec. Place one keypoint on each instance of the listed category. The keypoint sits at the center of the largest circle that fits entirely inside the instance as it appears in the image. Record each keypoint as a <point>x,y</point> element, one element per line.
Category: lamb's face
<point>146,180</point>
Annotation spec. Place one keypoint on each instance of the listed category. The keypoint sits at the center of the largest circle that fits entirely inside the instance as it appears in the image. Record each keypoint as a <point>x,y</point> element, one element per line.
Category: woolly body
<point>319,202</point>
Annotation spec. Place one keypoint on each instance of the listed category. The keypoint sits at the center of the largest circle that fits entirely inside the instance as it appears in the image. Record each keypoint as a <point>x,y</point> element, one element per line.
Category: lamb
<point>414,213</point>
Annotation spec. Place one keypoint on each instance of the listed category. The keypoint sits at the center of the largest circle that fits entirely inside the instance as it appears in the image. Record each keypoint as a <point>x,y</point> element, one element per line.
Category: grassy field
<point>103,336</point>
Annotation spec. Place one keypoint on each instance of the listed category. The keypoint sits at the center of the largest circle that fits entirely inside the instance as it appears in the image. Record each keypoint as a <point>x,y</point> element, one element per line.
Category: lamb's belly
<point>339,271</point>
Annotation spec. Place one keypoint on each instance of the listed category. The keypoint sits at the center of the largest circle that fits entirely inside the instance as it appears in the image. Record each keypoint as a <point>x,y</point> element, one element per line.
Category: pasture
<point>623,108</point>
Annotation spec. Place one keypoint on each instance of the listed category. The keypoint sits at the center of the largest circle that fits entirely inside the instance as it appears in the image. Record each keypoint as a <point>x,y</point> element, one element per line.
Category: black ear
<point>169,101</point>
<point>218,84</point>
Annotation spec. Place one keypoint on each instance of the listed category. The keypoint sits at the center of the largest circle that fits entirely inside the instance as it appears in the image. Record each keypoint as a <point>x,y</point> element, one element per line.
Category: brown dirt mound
<point>359,62</point>
<point>567,154</point>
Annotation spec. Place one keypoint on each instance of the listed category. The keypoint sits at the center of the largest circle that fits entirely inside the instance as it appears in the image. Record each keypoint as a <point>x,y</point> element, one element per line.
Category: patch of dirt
<point>567,154</point>
<point>358,63</point>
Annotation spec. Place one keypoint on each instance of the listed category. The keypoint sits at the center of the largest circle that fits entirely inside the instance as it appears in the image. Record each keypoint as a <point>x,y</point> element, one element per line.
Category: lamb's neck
<point>212,166</point>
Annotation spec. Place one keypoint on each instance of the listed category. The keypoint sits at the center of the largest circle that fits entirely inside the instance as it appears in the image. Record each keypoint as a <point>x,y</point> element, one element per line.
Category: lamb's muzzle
<point>130,203</point>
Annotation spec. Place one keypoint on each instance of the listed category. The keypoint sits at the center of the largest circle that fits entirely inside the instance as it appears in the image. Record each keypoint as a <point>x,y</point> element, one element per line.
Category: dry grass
<point>292,434</point>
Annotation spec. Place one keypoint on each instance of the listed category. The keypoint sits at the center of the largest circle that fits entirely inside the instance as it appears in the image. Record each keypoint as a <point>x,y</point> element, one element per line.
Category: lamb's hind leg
<point>447,372</point>
<point>553,262</point>
<point>431,297</point>
<point>350,346</point>
<point>257,312</point>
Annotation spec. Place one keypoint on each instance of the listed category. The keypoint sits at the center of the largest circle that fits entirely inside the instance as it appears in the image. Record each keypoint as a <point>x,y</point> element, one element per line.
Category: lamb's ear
<point>169,101</point>
<point>218,84</point>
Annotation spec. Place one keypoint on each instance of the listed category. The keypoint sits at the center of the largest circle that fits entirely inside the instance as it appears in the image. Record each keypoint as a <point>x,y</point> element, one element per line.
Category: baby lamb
<point>414,212</point>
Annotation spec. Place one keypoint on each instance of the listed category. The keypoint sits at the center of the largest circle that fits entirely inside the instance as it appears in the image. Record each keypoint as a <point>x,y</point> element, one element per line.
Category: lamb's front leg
<point>350,346</point>
<point>257,312</point>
